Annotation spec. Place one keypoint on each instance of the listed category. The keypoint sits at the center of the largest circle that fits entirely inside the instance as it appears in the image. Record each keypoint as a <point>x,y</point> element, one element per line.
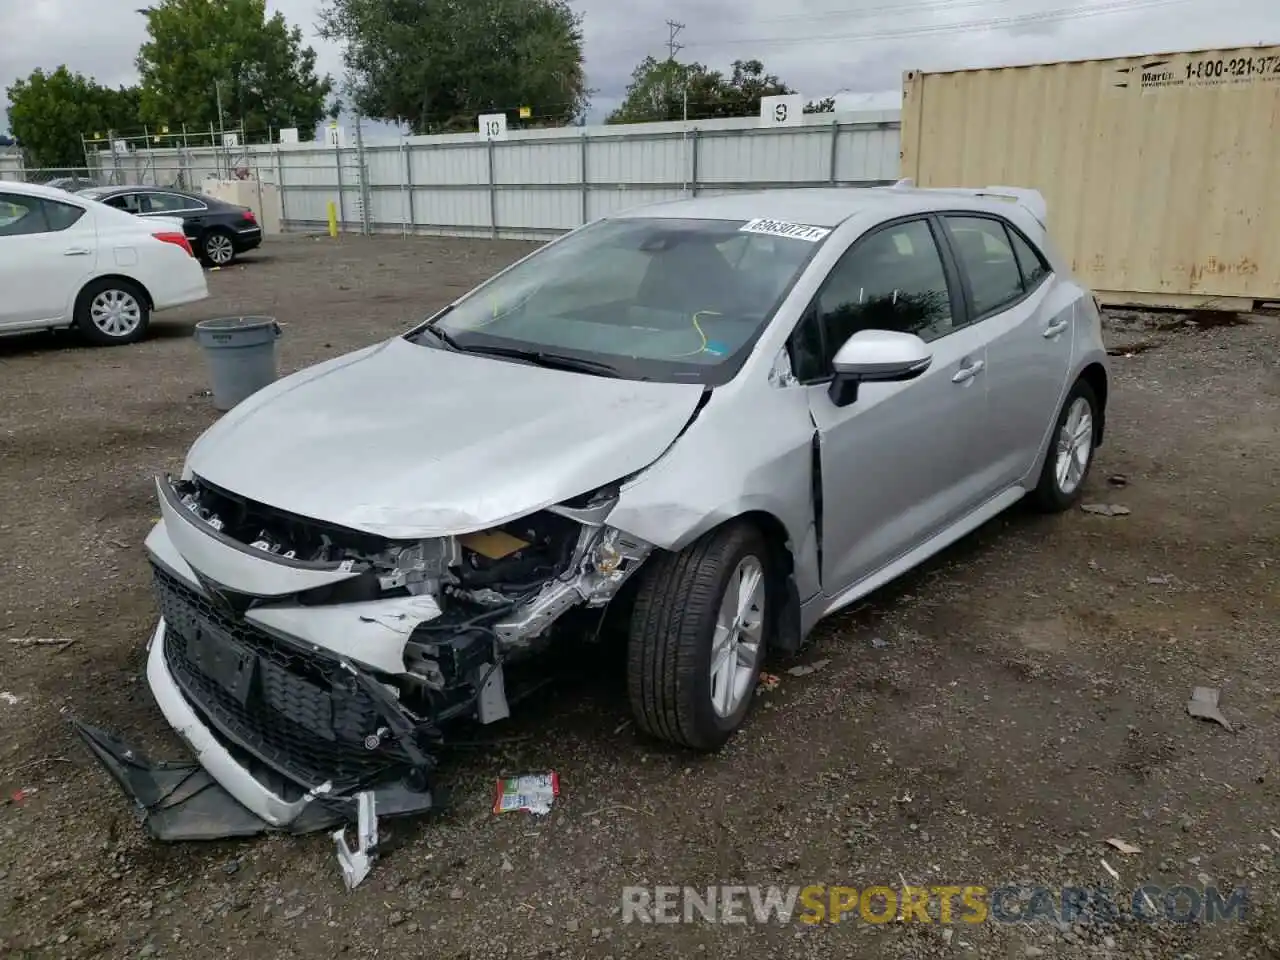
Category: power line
<point>1050,16</point>
<point>898,10</point>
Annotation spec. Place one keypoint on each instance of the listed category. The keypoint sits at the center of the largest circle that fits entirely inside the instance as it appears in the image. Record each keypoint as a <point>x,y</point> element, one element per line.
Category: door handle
<point>965,374</point>
<point>76,252</point>
<point>1053,329</point>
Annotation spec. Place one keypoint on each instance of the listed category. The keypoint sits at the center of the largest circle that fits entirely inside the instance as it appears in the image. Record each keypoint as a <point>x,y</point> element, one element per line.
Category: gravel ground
<point>991,719</point>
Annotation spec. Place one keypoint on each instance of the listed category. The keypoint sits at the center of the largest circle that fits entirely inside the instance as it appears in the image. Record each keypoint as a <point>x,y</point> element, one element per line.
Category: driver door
<point>899,462</point>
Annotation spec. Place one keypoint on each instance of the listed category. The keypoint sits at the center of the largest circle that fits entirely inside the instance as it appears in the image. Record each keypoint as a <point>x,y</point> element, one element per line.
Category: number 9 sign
<point>781,111</point>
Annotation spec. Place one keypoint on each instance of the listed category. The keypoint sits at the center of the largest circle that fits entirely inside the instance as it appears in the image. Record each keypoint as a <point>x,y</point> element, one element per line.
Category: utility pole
<point>673,31</point>
<point>217,92</point>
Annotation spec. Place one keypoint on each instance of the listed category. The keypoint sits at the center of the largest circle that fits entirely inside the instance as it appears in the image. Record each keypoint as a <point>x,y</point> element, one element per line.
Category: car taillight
<point>248,215</point>
<point>176,238</point>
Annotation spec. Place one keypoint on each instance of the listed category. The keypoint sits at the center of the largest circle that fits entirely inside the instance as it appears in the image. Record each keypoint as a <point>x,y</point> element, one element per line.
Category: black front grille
<point>296,711</point>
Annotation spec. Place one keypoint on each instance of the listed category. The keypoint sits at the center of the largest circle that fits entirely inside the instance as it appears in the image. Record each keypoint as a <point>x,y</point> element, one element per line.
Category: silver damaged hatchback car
<point>716,421</point>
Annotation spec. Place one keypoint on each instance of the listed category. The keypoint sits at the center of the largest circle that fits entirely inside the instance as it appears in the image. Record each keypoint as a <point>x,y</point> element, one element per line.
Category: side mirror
<point>871,356</point>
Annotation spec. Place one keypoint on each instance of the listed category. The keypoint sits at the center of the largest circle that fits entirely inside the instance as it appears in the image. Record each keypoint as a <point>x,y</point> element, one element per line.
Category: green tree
<point>439,64</point>
<point>203,50</point>
<point>50,112</point>
<point>825,105</point>
<point>658,89</point>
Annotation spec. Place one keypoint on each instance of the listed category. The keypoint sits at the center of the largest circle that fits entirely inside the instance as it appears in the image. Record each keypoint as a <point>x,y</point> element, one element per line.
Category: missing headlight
<point>519,556</point>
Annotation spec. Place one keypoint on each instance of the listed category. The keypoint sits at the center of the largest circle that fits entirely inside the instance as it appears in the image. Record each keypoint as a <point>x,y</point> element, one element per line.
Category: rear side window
<point>1032,263</point>
<point>986,255</point>
<point>61,215</point>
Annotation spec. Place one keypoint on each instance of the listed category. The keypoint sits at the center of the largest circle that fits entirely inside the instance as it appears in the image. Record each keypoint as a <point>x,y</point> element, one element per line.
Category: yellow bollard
<point>333,219</point>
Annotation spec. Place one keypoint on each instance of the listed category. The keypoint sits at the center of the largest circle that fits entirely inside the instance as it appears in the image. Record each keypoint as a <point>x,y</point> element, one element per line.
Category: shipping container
<point>1161,172</point>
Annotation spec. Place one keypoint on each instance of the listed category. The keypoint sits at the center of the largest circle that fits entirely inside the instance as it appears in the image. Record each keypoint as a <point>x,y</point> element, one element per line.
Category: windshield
<point>657,299</point>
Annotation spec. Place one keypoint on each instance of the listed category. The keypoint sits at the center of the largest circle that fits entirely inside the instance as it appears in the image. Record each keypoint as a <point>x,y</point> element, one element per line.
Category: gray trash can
<point>241,352</point>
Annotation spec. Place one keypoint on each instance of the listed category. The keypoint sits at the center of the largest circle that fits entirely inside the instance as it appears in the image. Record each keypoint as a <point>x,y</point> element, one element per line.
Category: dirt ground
<point>993,718</point>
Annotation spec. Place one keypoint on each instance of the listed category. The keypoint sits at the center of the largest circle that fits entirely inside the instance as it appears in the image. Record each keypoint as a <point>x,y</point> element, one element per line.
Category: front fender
<point>747,452</point>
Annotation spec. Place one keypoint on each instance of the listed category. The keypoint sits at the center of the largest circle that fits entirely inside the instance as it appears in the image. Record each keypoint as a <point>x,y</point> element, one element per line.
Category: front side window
<point>652,298</point>
<point>891,279</point>
<point>982,246</point>
<point>128,202</point>
<point>22,216</point>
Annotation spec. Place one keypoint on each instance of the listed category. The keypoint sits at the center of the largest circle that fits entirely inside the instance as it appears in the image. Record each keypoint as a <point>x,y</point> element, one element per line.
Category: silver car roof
<point>831,206</point>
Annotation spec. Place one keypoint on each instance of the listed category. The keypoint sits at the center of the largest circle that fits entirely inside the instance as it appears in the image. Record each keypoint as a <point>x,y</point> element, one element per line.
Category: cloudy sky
<point>820,47</point>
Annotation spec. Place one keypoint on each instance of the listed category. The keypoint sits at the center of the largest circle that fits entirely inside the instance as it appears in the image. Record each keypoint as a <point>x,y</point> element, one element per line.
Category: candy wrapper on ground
<point>534,793</point>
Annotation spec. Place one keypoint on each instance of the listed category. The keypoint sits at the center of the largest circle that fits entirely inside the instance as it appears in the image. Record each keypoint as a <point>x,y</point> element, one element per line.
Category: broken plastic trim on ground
<point>180,800</point>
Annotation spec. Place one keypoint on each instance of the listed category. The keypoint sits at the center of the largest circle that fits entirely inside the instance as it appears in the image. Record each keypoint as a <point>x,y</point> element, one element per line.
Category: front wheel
<point>698,635</point>
<point>1070,451</point>
<point>111,312</point>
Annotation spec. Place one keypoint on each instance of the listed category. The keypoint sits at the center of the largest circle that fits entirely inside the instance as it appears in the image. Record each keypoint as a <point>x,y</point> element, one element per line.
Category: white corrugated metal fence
<point>536,183</point>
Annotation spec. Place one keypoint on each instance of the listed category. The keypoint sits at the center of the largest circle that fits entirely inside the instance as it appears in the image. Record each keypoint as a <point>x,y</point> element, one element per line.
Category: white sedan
<point>68,261</point>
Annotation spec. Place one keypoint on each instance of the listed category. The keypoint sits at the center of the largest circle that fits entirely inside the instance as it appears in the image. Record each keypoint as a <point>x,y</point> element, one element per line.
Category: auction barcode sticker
<point>784,228</point>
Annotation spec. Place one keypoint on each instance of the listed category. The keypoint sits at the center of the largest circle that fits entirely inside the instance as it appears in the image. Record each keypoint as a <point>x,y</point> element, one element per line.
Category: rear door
<point>1028,317</point>
<point>897,463</point>
<point>48,251</point>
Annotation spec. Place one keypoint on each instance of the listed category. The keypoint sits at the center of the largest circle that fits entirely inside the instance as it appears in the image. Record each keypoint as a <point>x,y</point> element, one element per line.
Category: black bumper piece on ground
<point>180,801</point>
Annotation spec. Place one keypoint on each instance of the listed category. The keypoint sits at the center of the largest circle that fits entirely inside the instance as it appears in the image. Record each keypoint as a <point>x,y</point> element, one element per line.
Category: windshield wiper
<point>441,336</point>
<point>554,361</point>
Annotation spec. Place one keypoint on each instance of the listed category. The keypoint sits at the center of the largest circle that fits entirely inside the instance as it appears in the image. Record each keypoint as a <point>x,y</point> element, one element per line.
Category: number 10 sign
<point>493,126</point>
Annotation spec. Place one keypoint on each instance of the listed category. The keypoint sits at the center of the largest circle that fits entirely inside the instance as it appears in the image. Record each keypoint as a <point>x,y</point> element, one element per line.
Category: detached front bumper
<point>214,798</point>
<point>230,774</point>
<point>225,793</point>
<point>229,791</point>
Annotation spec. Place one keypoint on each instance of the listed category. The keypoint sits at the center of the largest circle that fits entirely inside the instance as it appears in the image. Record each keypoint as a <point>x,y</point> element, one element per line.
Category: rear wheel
<point>698,635</point>
<point>217,248</point>
<point>1066,467</point>
<point>111,312</point>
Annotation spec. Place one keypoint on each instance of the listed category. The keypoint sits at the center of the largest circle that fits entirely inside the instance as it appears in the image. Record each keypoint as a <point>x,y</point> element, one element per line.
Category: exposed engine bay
<point>312,668</point>
<point>462,607</point>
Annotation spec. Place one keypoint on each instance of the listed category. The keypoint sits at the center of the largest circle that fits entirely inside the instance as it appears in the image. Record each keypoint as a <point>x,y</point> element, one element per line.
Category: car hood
<point>410,441</point>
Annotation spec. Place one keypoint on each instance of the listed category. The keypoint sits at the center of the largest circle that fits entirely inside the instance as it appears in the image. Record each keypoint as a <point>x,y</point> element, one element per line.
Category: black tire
<point>671,634</point>
<point>217,247</point>
<point>1049,495</point>
<point>111,288</point>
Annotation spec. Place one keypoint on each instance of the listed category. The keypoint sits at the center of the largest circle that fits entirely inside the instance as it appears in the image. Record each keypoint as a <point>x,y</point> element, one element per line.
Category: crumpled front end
<point>307,665</point>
